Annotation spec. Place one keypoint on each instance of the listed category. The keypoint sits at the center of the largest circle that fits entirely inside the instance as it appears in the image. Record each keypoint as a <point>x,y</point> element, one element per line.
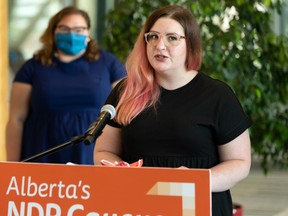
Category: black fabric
<point>189,124</point>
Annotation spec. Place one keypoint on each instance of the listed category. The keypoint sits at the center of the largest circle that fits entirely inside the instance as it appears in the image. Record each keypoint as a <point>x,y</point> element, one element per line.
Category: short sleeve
<point>113,99</point>
<point>115,66</point>
<point>231,120</point>
<point>26,72</point>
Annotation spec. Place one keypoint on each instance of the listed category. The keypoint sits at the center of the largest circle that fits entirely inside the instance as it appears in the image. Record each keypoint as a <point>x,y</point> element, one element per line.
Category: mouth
<point>159,56</point>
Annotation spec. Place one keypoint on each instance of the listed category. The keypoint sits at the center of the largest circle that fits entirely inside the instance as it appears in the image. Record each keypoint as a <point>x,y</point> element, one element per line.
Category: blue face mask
<point>71,43</point>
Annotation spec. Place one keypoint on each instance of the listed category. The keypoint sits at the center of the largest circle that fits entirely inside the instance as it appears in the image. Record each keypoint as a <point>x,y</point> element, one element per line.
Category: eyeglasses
<point>66,29</point>
<point>170,39</point>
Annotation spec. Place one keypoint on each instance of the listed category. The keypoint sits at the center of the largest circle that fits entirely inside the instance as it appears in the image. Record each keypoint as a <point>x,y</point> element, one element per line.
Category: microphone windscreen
<point>110,109</point>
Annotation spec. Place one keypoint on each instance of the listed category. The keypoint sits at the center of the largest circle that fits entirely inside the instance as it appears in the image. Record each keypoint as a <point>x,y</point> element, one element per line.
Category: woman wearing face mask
<point>58,93</point>
<point>171,114</point>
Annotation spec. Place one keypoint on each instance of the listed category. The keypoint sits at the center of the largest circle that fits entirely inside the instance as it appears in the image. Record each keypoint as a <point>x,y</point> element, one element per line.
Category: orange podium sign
<point>34,189</point>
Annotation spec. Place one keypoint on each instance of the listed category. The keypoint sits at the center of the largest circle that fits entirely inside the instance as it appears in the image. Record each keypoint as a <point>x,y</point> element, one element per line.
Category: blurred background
<point>27,20</point>
<point>22,23</point>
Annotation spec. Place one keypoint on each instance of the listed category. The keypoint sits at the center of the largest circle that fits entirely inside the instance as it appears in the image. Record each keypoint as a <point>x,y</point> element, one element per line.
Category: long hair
<point>140,90</point>
<point>45,54</point>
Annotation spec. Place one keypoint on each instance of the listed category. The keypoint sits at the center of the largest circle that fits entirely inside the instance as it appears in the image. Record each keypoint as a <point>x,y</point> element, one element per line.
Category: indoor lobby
<point>260,194</point>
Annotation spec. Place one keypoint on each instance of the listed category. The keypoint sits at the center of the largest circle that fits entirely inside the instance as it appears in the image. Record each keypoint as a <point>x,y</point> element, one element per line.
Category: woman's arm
<point>108,145</point>
<point>19,108</point>
<point>235,158</point>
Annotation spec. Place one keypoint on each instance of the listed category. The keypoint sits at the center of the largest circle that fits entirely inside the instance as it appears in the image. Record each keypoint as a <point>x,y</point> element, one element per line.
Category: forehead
<point>167,25</point>
<point>73,20</point>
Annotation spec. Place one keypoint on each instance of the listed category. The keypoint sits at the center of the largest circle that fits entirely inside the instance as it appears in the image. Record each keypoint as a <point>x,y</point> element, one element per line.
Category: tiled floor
<point>263,195</point>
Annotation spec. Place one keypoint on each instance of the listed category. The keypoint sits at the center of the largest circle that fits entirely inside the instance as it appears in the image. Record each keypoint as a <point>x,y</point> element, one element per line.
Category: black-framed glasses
<point>66,29</point>
<point>170,39</point>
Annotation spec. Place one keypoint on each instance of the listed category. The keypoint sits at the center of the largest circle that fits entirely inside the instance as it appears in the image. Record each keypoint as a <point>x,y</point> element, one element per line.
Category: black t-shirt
<point>188,125</point>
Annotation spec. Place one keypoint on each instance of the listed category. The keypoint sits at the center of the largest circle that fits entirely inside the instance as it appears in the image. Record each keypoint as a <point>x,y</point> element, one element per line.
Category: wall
<point>3,77</point>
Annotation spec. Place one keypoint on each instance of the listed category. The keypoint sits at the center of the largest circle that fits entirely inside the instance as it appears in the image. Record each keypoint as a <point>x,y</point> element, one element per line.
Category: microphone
<point>107,112</point>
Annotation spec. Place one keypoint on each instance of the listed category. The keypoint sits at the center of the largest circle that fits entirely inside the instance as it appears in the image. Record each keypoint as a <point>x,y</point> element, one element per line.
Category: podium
<point>34,189</point>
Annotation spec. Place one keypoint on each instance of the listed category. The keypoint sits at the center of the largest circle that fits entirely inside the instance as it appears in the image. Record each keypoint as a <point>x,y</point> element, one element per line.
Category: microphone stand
<point>94,130</point>
<point>75,140</point>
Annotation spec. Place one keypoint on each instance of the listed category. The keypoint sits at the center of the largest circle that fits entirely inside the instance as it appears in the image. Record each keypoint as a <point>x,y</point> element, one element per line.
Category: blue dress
<point>66,98</point>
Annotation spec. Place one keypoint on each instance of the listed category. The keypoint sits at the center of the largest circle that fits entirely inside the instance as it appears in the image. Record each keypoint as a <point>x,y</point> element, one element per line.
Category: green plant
<point>240,48</point>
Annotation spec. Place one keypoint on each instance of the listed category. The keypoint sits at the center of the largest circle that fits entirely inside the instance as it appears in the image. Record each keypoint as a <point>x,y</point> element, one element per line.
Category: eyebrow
<point>63,25</point>
<point>166,33</point>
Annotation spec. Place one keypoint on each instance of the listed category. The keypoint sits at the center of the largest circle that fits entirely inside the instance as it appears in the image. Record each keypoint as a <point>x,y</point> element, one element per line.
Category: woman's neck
<point>68,58</point>
<point>171,83</point>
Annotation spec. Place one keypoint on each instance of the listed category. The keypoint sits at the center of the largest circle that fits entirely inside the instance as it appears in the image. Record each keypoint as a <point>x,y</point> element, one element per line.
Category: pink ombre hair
<point>140,90</point>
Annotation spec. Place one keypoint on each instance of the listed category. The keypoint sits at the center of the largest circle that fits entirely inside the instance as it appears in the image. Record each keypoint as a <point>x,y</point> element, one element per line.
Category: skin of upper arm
<point>109,141</point>
<point>239,148</point>
<point>19,102</point>
<point>19,108</point>
<point>235,163</point>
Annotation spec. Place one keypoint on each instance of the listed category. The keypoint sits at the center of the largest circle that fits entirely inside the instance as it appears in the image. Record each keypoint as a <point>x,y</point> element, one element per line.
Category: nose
<point>161,43</point>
